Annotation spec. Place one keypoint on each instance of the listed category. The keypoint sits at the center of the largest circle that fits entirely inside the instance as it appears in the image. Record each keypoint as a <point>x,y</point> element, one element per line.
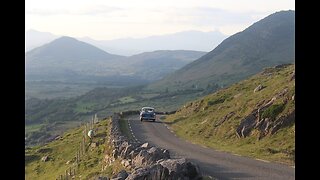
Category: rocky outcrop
<point>146,161</point>
<point>265,125</point>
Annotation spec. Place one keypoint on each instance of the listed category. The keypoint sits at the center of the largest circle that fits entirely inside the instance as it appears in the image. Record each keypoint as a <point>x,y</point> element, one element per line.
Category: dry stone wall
<point>145,161</point>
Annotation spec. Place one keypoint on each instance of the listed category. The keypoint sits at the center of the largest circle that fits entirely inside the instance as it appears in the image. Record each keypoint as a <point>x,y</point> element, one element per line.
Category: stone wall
<point>145,161</point>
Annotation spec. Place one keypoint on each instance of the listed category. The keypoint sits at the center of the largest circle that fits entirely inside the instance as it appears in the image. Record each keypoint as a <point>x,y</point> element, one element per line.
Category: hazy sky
<point>111,19</point>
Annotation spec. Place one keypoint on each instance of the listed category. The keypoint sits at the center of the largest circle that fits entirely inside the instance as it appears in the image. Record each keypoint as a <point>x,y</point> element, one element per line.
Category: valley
<point>213,107</point>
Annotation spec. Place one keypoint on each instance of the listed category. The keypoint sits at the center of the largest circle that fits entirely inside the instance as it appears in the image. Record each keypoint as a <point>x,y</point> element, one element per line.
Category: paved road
<point>215,163</point>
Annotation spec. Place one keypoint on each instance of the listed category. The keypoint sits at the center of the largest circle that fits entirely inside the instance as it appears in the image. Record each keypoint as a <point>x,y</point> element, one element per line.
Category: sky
<point>114,19</point>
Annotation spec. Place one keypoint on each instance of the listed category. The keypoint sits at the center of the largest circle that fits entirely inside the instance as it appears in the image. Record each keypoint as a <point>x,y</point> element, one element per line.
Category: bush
<point>273,111</point>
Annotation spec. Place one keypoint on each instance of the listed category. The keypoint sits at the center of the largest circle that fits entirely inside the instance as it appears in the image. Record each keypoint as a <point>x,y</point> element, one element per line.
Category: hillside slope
<point>62,154</point>
<point>266,43</point>
<point>255,117</point>
<point>156,64</point>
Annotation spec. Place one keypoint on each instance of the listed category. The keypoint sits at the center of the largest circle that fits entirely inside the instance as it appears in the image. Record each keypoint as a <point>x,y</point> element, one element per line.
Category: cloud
<point>87,10</point>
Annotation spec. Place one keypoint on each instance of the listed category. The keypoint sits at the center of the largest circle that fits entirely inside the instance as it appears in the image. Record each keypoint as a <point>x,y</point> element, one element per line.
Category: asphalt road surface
<point>220,165</point>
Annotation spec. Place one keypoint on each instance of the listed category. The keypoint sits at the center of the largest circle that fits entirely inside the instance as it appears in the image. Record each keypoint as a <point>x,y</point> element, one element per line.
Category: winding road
<point>218,164</point>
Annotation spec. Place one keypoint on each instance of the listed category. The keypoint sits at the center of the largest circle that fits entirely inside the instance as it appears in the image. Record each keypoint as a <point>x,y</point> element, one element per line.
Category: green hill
<point>266,43</point>
<point>69,60</point>
<point>258,124</point>
<point>156,64</point>
<point>62,154</point>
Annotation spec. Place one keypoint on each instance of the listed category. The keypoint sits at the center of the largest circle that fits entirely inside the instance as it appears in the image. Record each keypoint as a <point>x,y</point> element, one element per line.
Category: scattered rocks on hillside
<point>45,158</point>
<point>226,117</point>
<point>293,76</point>
<point>258,88</point>
<point>58,137</point>
<point>266,125</point>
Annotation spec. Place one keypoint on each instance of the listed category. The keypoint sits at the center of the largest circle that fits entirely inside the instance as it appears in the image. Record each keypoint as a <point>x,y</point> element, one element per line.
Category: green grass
<point>198,121</point>
<point>32,128</point>
<point>85,107</point>
<point>61,151</point>
<point>127,99</point>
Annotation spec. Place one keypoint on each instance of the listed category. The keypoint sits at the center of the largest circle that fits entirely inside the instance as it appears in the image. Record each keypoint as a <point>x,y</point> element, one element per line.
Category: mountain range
<point>185,40</point>
<point>268,42</point>
<point>68,59</point>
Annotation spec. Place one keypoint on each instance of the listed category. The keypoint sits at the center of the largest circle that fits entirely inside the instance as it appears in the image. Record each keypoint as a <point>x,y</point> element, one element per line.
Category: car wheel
<point>153,120</point>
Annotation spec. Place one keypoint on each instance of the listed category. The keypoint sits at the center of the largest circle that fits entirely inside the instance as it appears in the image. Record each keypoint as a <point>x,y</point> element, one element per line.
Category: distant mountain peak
<point>67,39</point>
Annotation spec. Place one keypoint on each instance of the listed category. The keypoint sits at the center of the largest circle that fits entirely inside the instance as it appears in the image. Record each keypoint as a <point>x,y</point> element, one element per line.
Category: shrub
<point>273,111</point>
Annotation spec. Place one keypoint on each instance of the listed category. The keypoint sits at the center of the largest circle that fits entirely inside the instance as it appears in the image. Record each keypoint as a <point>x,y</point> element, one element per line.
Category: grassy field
<point>32,128</point>
<point>62,155</point>
<point>202,122</point>
<point>51,89</point>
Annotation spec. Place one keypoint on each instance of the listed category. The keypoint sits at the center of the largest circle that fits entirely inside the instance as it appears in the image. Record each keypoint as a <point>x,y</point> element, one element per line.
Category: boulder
<point>258,88</point>
<point>145,145</point>
<point>181,169</point>
<point>45,158</point>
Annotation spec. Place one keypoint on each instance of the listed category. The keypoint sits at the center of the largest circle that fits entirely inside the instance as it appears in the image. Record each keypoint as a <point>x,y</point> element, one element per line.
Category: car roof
<point>147,108</point>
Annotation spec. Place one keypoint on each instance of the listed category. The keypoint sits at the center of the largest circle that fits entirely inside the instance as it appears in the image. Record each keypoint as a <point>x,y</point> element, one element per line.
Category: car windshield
<point>147,110</point>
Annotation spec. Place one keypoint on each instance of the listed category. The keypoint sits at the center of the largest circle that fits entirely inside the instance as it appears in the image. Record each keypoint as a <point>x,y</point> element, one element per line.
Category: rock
<point>140,173</point>
<point>45,158</point>
<point>293,76</point>
<point>226,117</point>
<point>115,153</point>
<point>125,152</point>
<point>141,158</point>
<point>125,163</point>
<point>102,178</point>
<point>168,169</point>
<point>93,145</point>
<point>57,138</point>
<point>292,98</point>
<point>68,162</point>
<point>121,175</point>
<point>145,145</point>
<point>258,88</point>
